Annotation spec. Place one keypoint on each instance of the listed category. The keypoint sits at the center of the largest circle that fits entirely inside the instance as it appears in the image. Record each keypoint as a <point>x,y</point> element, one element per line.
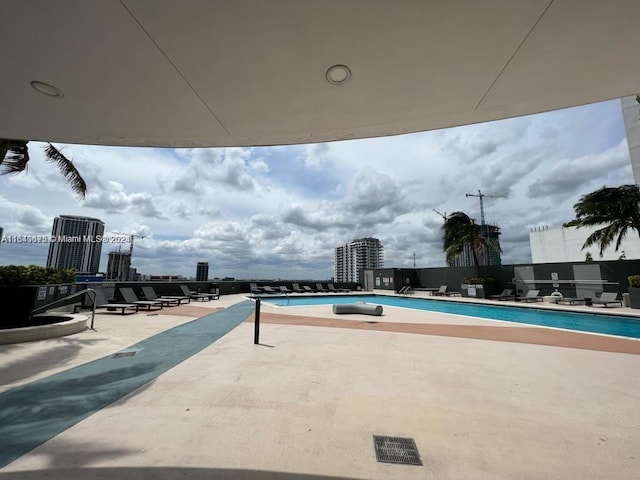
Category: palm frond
<point>68,169</point>
<point>459,233</point>
<point>622,233</point>
<point>601,237</point>
<point>614,209</point>
<point>14,156</point>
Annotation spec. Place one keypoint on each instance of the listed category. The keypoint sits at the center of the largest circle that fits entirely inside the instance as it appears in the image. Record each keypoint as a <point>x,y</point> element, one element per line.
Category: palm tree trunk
<point>476,263</point>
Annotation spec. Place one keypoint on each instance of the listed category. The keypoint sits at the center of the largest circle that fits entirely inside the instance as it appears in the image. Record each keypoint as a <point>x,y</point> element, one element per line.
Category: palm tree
<point>616,209</point>
<point>460,232</point>
<point>14,158</point>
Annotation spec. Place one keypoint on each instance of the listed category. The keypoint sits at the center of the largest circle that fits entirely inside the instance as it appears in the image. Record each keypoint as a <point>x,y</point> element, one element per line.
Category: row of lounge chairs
<point>319,288</point>
<point>152,301</point>
<point>507,294</point>
<point>605,299</point>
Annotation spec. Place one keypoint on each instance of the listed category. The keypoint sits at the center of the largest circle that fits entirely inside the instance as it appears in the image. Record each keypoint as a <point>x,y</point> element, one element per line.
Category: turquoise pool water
<point>584,322</point>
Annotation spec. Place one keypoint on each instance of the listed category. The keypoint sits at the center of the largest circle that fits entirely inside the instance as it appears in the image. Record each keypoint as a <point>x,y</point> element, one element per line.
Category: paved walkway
<point>515,333</point>
<point>484,400</point>
<point>36,412</point>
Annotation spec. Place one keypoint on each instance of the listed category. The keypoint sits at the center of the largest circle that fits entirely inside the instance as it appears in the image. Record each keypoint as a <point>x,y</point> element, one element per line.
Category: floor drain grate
<point>123,354</point>
<point>396,450</point>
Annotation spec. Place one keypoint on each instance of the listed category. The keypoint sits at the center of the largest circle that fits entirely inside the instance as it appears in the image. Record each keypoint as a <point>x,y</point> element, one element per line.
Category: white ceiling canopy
<point>254,72</point>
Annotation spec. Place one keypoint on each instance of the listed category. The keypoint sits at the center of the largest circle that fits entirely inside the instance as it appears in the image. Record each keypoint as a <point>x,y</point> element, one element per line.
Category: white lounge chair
<point>606,299</point>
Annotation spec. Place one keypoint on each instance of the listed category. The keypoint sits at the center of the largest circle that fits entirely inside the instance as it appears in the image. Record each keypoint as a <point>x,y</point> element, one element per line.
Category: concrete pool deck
<point>306,402</point>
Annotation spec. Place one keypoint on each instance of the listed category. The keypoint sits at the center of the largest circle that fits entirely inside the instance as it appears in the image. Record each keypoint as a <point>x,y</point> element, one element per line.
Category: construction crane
<point>121,272</point>
<point>481,196</point>
<point>132,236</point>
<point>443,215</point>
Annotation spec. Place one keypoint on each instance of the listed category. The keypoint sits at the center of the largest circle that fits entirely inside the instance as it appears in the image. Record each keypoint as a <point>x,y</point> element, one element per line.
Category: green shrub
<point>478,280</point>
<point>634,280</point>
<point>12,275</point>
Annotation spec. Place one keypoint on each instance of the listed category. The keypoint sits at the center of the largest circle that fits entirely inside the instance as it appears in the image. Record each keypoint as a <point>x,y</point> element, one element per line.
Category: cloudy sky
<point>279,212</point>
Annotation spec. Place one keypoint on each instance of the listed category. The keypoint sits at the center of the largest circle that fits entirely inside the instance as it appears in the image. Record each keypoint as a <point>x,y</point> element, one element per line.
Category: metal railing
<point>569,282</point>
<point>48,306</point>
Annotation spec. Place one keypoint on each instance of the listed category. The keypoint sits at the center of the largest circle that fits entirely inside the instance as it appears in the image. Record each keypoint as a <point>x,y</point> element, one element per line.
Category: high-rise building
<point>119,267</point>
<point>487,255</point>
<point>76,242</point>
<point>202,271</point>
<point>362,253</point>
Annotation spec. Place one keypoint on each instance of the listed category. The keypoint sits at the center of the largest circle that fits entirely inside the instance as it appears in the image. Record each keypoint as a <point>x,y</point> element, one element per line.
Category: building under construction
<point>119,267</point>
<point>487,255</point>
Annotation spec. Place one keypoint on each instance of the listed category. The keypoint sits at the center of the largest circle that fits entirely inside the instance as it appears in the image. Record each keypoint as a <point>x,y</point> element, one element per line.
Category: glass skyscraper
<point>76,242</point>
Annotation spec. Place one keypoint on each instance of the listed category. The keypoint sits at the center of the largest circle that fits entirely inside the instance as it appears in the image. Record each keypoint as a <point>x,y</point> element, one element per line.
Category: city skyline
<point>279,212</point>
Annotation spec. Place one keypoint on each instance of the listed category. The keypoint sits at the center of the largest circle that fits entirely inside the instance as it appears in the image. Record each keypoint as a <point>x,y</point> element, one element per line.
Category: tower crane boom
<point>443,215</point>
<point>132,236</point>
<point>481,196</point>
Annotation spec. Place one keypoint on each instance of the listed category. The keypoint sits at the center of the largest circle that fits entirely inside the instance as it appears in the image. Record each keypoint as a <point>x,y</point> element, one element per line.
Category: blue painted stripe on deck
<point>33,413</point>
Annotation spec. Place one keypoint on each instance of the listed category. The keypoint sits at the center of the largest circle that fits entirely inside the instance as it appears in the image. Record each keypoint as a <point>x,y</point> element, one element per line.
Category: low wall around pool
<point>59,328</point>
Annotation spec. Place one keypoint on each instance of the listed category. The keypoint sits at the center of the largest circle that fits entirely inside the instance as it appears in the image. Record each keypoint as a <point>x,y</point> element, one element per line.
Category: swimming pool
<point>584,322</point>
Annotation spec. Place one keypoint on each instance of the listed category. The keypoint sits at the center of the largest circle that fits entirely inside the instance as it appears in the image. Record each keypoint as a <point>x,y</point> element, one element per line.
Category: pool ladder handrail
<point>85,291</point>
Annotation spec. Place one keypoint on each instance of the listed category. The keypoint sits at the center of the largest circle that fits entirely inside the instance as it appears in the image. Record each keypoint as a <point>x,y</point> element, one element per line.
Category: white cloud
<point>279,212</point>
<point>571,174</point>
<point>114,199</point>
<point>317,156</point>
<point>229,168</point>
<point>20,219</point>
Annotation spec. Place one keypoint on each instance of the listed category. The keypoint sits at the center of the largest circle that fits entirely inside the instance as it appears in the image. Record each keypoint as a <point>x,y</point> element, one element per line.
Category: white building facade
<point>565,245</point>
<point>631,115</point>
<point>362,253</point>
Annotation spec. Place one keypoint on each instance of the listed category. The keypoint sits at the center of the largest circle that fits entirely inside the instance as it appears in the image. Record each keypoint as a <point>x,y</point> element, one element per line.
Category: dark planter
<point>477,291</point>
<point>634,297</point>
<point>22,300</point>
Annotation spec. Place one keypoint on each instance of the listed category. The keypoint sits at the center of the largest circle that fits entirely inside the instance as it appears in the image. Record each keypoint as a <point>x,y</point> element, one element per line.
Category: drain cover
<point>396,450</point>
<point>123,354</point>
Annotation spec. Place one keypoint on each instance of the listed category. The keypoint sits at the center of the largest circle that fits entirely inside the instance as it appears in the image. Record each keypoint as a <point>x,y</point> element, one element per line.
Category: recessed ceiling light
<point>46,89</point>
<point>338,74</point>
